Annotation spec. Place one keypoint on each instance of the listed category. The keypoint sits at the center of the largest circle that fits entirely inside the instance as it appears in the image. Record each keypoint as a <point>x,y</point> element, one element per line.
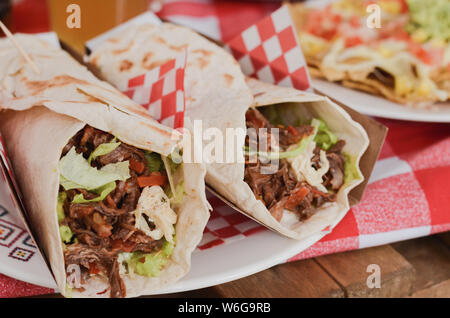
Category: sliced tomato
<point>293,131</point>
<point>394,29</point>
<point>137,166</point>
<point>354,21</point>
<point>152,180</point>
<point>353,41</point>
<point>296,198</point>
<point>417,50</point>
<point>404,6</point>
<point>322,23</point>
<point>93,269</point>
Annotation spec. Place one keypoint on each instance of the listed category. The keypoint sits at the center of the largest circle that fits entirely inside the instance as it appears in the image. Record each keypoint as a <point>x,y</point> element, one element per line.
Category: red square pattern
<point>432,182</point>
<point>393,203</point>
<point>280,72</point>
<point>162,92</point>
<point>230,221</point>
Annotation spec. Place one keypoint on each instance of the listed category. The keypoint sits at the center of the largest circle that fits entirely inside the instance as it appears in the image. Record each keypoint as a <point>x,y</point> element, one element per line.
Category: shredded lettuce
<point>430,18</point>
<point>177,196</point>
<point>103,149</point>
<point>174,160</point>
<point>295,151</point>
<point>324,137</point>
<point>150,265</point>
<point>77,173</point>
<point>62,196</point>
<point>273,116</point>
<point>102,192</point>
<point>350,170</point>
<point>154,161</point>
<point>170,172</point>
<point>65,233</point>
<point>68,291</point>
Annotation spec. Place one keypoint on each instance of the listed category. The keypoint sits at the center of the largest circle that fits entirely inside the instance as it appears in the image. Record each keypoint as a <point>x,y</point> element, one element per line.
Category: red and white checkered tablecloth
<point>407,195</point>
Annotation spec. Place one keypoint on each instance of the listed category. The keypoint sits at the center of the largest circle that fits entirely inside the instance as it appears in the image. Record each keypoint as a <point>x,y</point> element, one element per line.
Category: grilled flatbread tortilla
<point>218,94</point>
<point>114,215</point>
<point>405,60</point>
<point>318,151</point>
<point>215,89</point>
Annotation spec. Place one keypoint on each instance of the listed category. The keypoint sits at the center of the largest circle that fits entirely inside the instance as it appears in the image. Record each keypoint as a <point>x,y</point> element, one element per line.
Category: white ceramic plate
<point>19,257</point>
<point>378,106</point>
<point>238,255</point>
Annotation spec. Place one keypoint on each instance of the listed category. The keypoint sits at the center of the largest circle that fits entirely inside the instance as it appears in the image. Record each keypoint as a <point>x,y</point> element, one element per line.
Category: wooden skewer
<point>21,50</point>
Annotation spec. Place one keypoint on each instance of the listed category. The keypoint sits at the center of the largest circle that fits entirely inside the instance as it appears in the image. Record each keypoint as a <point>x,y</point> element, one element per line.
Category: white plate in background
<point>373,105</point>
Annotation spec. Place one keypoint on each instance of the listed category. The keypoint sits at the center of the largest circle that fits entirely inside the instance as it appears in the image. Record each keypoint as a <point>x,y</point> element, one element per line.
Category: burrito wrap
<point>44,111</point>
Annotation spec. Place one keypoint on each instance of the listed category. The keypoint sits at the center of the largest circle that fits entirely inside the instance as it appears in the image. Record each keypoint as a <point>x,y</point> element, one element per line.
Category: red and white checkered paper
<point>7,177</point>
<point>161,91</point>
<point>226,225</point>
<point>407,195</point>
<point>4,158</point>
<point>270,51</point>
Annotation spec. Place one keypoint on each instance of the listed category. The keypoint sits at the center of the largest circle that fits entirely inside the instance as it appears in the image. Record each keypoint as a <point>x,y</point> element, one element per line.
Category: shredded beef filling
<point>107,228</point>
<point>383,77</point>
<point>280,190</point>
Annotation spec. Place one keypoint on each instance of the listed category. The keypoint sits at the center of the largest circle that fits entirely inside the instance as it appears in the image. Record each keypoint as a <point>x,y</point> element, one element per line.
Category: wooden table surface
<point>413,268</point>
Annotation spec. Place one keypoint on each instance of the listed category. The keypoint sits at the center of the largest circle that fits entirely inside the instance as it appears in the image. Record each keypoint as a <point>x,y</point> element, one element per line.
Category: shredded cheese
<point>304,171</point>
<point>155,204</point>
<point>391,57</point>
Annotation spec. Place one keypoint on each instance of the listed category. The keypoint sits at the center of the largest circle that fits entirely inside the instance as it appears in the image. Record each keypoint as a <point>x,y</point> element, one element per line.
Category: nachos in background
<point>406,60</point>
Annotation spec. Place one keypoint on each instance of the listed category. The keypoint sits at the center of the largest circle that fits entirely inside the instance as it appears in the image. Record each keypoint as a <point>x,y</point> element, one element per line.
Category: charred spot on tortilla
<point>94,61</point>
<point>147,57</point>
<point>228,79</point>
<point>203,52</point>
<point>202,62</point>
<point>159,39</point>
<point>120,51</point>
<point>151,65</point>
<point>159,130</point>
<point>37,87</point>
<point>178,48</point>
<point>190,99</point>
<point>113,40</point>
<point>101,225</point>
<point>125,65</point>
